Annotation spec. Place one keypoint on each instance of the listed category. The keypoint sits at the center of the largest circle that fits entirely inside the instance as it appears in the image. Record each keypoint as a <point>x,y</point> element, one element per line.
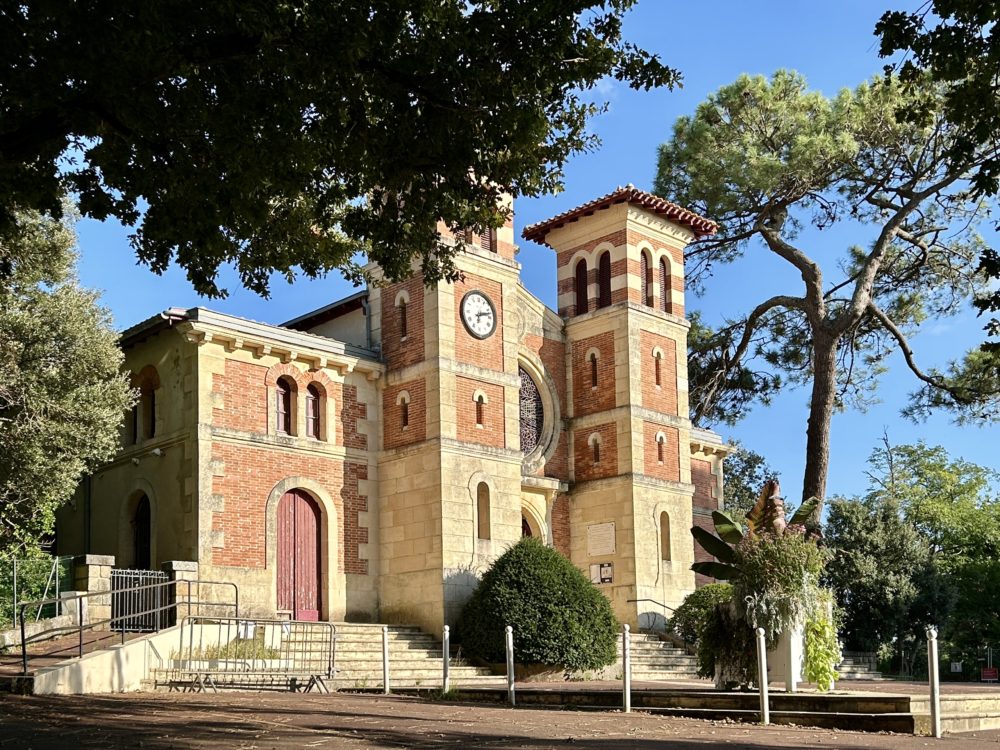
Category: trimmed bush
<point>559,618</point>
<point>694,614</point>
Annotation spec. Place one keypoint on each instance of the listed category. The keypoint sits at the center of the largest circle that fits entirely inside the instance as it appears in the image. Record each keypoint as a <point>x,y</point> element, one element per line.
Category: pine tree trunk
<point>820,412</point>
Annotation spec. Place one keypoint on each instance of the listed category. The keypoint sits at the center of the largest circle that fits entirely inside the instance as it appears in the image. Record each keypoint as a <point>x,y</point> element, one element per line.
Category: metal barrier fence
<point>179,598</point>
<point>41,577</point>
<point>219,652</point>
<point>136,607</point>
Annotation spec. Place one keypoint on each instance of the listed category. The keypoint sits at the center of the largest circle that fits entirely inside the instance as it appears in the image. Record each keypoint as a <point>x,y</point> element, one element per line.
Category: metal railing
<point>172,604</point>
<point>28,573</point>
<point>259,653</point>
<point>137,609</point>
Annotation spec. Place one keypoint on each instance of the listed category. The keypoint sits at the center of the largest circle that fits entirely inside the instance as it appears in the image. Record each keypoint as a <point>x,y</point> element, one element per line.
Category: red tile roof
<point>628,194</point>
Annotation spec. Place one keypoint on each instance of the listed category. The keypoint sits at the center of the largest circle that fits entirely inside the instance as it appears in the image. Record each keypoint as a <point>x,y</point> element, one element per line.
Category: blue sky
<point>712,43</point>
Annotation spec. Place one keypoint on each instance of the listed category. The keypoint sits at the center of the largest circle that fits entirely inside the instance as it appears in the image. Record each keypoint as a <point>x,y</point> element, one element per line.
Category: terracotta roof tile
<point>628,194</point>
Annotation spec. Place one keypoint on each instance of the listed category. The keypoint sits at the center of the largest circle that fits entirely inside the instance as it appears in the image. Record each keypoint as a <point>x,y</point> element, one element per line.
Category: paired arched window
<point>646,279</point>
<point>665,537</point>
<point>284,405</point>
<point>664,286</point>
<point>483,511</point>
<point>142,424</point>
<point>581,287</point>
<point>604,280</point>
<point>314,400</point>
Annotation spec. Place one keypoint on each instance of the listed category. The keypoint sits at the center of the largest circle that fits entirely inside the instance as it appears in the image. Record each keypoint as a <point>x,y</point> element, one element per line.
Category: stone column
<point>92,573</point>
<point>183,594</point>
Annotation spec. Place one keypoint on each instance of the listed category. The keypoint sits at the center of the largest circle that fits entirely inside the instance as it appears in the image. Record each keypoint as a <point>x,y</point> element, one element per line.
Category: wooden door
<point>298,556</point>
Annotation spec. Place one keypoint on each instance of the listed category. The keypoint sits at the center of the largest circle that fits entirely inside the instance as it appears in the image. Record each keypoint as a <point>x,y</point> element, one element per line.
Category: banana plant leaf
<point>805,512</point>
<point>717,570</point>
<point>727,528</point>
<point>755,517</point>
<point>716,547</point>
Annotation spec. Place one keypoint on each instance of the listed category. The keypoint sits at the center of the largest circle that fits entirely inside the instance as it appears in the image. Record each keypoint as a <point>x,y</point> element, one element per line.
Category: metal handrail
<point>653,601</point>
<point>80,627</point>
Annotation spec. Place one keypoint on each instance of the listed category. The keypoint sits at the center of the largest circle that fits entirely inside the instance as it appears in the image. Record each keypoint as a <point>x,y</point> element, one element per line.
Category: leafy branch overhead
<point>769,159</point>
<point>284,136</point>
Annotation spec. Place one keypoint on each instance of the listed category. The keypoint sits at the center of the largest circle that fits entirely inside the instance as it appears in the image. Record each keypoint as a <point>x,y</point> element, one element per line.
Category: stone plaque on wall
<point>601,539</point>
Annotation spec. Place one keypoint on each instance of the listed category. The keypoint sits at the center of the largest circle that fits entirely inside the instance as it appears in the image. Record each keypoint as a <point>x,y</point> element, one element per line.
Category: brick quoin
<point>488,352</point>
<point>662,398</point>
<point>670,469</point>
<point>393,434</point>
<point>397,352</point>
<point>492,431</point>
<point>251,472</point>
<point>586,398</point>
<point>583,455</point>
<point>560,525</point>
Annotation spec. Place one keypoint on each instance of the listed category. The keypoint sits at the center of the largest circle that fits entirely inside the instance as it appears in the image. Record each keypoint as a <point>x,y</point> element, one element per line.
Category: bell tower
<point>620,270</point>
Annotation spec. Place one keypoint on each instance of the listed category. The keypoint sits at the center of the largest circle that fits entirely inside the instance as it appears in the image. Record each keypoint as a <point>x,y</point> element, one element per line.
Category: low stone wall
<point>12,637</point>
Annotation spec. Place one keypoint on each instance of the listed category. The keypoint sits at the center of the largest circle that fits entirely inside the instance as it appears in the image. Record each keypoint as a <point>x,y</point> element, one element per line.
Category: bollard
<point>626,668</point>
<point>445,657</point>
<point>932,671</point>
<point>765,710</point>
<point>510,665</point>
<point>385,659</point>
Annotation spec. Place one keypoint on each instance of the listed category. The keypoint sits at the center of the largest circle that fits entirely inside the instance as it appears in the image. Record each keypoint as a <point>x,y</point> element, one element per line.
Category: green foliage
<point>559,617</point>
<point>746,472</point>
<point>691,618</point>
<point>768,159</point>
<point>822,650</point>
<point>62,392</point>
<point>291,136</point>
<point>36,574</point>
<point>727,648</point>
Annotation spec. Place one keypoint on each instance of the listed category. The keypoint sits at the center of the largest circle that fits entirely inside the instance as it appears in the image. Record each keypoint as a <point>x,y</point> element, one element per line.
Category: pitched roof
<point>628,194</point>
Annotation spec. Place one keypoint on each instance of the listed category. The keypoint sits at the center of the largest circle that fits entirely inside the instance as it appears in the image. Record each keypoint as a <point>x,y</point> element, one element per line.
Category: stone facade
<point>423,447</point>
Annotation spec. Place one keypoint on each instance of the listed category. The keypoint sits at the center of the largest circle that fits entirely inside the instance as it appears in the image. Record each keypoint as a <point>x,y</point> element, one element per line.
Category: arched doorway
<point>142,535</point>
<point>298,556</point>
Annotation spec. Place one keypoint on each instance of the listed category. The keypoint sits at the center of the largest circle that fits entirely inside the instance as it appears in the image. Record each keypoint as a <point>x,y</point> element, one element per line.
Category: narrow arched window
<point>283,406</point>
<point>593,370</point>
<point>480,410</point>
<point>483,511</point>
<point>647,293</point>
<point>404,414</point>
<point>595,447</point>
<point>313,401</point>
<point>147,399</point>
<point>581,287</point>
<point>659,448</point>
<point>664,537</point>
<point>133,436</point>
<point>604,280</point>
<point>403,323</point>
<point>664,286</point>
<point>657,359</point>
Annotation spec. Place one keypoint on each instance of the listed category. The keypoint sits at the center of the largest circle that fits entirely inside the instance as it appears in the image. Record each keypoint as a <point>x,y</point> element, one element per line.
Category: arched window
<point>595,447</point>
<point>143,425</point>
<point>664,286</point>
<point>525,527</point>
<point>147,399</point>
<point>532,412</point>
<point>581,287</point>
<point>657,369</point>
<point>664,537</point>
<point>604,280</point>
<point>483,511</point>
<point>313,401</point>
<point>284,405</point>
<point>403,323</point>
<point>660,441</point>
<point>403,402</point>
<point>480,411</point>
<point>593,370</point>
<point>646,280</point>
<point>488,241</point>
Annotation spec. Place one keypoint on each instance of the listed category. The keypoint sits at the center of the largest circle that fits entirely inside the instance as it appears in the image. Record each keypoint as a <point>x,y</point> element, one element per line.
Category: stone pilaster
<point>92,573</point>
<point>184,595</point>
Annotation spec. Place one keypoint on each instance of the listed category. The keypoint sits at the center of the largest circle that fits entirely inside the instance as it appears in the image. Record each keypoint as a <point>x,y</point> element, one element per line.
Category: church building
<point>370,459</point>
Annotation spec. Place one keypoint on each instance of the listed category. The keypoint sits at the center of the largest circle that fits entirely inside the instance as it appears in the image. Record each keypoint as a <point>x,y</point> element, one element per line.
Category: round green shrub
<point>692,616</point>
<point>559,617</point>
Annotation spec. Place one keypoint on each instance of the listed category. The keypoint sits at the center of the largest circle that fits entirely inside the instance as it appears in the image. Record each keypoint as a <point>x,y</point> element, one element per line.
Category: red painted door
<point>298,556</point>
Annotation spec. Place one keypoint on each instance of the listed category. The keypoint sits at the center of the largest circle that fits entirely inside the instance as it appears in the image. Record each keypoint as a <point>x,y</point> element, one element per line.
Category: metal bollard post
<point>935,679</point>
<point>627,668</point>
<point>765,710</point>
<point>385,659</point>
<point>445,657</point>
<point>510,665</point>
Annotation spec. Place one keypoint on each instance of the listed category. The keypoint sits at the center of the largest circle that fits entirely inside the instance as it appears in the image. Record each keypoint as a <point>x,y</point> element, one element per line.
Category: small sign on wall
<point>601,539</point>
<point>602,573</point>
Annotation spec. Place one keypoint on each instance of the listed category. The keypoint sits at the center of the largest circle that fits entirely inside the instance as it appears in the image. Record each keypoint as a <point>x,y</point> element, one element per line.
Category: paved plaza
<point>250,721</point>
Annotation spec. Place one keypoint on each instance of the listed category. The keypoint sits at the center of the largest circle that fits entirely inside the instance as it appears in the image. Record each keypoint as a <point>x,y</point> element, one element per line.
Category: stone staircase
<point>414,659</point>
<point>859,667</point>
<point>654,659</point>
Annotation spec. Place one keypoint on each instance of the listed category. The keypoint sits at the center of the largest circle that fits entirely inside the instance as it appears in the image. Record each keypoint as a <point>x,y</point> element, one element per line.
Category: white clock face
<point>478,314</point>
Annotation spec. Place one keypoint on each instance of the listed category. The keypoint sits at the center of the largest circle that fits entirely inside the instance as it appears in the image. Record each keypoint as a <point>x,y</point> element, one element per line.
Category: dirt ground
<point>331,722</point>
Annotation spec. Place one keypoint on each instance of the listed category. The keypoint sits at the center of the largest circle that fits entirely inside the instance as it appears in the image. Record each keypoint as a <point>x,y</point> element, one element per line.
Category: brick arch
<point>321,379</point>
<point>147,377</point>
<point>282,368</point>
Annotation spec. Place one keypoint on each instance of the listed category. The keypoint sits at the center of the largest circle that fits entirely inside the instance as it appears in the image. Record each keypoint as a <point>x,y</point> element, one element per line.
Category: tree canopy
<point>746,471</point>
<point>767,158</point>
<point>285,136</point>
<point>957,43</point>
<point>62,394</point>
